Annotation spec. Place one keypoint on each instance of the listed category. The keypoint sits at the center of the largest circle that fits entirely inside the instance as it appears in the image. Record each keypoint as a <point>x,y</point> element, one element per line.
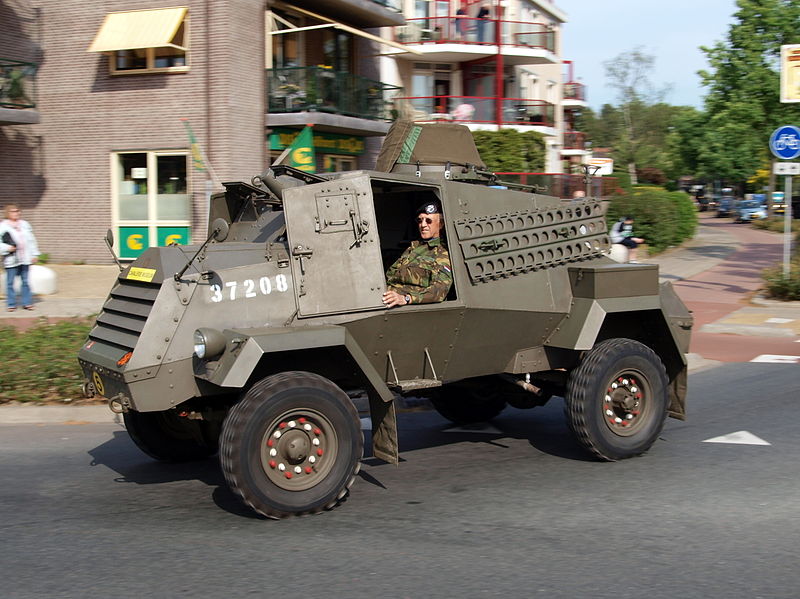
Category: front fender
<point>246,348</point>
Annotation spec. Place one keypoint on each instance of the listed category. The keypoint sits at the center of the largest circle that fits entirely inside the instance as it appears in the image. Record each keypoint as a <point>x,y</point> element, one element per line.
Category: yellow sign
<point>790,73</point>
<point>141,274</point>
<point>135,241</point>
<point>175,238</point>
<point>98,384</point>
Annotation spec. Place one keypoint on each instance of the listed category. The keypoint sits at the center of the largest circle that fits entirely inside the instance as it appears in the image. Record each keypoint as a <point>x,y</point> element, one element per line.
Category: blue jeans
<point>11,296</point>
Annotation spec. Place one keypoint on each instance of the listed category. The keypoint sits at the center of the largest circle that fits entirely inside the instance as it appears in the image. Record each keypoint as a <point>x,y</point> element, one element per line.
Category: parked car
<point>726,206</point>
<point>750,210</point>
<point>778,202</point>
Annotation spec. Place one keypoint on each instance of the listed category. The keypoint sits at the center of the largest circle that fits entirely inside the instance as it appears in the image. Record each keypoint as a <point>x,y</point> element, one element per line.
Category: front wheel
<point>292,445</point>
<point>616,399</point>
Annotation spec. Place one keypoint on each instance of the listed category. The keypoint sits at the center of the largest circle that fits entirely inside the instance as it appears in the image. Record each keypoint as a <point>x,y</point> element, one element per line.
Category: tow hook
<point>119,404</point>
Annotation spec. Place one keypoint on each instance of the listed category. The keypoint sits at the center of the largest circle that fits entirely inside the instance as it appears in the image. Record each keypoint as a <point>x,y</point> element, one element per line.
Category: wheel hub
<point>295,452</point>
<point>623,404</point>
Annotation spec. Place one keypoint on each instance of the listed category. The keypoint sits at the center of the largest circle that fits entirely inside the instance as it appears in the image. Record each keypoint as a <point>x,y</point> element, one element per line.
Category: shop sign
<point>325,143</point>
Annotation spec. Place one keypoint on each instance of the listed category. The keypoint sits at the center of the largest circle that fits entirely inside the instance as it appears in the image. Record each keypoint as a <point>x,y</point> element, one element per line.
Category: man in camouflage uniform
<point>422,274</point>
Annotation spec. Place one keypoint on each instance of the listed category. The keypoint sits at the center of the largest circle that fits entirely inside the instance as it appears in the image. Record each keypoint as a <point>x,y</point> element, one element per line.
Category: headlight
<point>208,343</point>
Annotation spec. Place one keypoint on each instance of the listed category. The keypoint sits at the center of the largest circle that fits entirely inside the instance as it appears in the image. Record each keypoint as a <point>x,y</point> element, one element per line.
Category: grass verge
<point>41,363</point>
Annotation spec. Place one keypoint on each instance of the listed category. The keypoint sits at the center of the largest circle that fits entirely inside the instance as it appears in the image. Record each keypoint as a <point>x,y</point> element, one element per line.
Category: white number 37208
<point>233,290</point>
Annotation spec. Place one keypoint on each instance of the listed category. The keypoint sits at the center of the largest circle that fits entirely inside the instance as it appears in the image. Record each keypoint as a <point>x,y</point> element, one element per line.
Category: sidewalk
<point>83,289</point>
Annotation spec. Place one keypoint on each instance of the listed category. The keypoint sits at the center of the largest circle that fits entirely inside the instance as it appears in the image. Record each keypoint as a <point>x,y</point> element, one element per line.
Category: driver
<point>422,274</point>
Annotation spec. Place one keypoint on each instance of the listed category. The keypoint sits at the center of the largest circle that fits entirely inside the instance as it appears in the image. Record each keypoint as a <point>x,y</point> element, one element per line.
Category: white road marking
<point>738,438</point>
<point>480,427</point>
<point>366,424</point>
<point>779,320</point>
<point>776,359</point>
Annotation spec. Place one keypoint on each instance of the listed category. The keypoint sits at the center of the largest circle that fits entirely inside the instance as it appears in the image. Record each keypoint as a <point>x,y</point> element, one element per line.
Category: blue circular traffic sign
<point>785,142</point>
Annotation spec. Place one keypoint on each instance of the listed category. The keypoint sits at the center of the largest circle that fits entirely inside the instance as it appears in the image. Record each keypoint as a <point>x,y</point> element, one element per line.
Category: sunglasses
<point>427,220</point>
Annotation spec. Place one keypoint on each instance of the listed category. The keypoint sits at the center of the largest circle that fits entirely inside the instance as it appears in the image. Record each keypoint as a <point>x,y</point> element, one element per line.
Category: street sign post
<point>784,143</point>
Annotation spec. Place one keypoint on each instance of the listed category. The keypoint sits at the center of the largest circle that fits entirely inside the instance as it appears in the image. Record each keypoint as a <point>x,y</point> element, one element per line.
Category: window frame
<point>150,58</point>
<point>152,223</point>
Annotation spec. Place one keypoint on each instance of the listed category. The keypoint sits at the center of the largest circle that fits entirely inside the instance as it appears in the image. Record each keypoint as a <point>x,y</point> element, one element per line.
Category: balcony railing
<point>474,109</point>
<point>298,89</point>
<point>574,140</point>
<point>563,185</point>
<point>468,30</point>
<point>17,84</point>
<point>574,91</point>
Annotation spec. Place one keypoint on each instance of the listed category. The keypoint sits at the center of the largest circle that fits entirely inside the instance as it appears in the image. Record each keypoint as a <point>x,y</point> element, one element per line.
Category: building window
<point>334,164</point>
<point>151,200</point>
<point>145,41</point>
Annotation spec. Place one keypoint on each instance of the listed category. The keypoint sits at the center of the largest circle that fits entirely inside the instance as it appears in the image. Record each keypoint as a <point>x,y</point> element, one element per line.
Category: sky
<point>672,32</point>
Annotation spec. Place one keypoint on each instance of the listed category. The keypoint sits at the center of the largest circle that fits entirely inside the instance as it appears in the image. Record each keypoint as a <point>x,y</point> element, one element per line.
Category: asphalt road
<point>518,512</point>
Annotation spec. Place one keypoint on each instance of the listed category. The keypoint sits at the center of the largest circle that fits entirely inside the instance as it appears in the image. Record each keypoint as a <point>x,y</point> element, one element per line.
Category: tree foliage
<point>743,102</point>
<point>509,151</point>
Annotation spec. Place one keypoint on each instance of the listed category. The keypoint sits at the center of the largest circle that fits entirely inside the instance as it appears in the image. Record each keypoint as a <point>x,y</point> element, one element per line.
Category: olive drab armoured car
<point>255,343</point>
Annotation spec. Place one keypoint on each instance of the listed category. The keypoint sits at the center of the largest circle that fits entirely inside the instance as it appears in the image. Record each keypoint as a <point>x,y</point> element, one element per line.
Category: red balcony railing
<point>469,30</point>
<point>574,140</point>
<point>574,91</point>
<point>475,109</point>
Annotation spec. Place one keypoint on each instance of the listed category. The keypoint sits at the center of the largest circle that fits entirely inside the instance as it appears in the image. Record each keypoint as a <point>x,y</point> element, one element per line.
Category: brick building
<point>99,139</point>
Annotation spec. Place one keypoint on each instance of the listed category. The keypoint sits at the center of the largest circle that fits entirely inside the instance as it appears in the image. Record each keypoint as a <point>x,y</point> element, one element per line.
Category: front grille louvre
<point>124,314</point>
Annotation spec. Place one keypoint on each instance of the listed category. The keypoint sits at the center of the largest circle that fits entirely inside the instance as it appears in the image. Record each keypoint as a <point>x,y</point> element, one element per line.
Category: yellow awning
<point>342,27</point>
<point>135,29</point>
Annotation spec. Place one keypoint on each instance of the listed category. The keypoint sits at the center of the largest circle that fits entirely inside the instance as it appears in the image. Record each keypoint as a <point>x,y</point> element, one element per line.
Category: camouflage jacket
<point>423,272</point>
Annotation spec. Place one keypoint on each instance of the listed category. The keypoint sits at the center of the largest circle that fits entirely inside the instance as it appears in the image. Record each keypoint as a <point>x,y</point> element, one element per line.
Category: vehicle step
<point>414,384</point>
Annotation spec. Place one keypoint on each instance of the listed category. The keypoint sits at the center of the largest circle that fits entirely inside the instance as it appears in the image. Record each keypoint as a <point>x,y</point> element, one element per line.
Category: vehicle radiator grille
<point>512,243</point>
<point>124,314</point>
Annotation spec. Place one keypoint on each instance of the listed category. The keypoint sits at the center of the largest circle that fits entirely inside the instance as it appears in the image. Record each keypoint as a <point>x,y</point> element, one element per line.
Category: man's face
<point>429,225</point>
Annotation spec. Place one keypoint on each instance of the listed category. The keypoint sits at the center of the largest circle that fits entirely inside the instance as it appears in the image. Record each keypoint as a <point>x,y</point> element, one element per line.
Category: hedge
<point>663,218</point>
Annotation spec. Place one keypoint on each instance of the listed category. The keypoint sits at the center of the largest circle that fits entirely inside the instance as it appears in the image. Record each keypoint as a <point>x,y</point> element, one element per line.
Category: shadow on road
<point>123,457</point>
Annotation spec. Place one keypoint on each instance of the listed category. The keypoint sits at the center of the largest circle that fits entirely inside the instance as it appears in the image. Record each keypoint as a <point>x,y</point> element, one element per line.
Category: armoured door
<point>334,247</point>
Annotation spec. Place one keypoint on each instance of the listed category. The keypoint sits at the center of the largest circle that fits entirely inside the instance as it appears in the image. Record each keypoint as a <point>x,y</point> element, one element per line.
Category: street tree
<point>743,102</point>
<point>629,73</point>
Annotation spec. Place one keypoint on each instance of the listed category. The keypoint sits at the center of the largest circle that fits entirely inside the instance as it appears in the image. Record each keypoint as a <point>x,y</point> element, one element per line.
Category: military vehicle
<point>255,343</point>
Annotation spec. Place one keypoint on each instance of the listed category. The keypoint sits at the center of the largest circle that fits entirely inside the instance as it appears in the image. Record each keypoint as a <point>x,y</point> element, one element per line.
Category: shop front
<point>332,151</point>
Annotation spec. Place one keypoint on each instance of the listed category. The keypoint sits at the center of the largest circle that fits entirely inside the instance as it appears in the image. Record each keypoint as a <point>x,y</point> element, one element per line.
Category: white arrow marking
<point>480,427</point>
<point>738,438</point>
<point>776,359</point>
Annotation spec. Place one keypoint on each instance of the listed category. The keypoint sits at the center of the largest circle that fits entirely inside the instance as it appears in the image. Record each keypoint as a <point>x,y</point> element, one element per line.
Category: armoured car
<point>254,343</point>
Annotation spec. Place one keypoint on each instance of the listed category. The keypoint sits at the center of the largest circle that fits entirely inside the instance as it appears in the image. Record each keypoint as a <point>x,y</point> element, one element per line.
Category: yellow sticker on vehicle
<point>98,384</point>
<point>141,274</point>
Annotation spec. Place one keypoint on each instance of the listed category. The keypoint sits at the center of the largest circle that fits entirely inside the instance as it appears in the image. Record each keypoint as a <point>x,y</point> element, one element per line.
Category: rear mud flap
<point>384,429</point>
<point>677,395</point>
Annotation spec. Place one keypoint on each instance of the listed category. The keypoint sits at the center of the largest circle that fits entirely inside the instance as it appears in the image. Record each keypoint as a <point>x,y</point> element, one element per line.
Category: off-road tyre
<point>292,446</point>
<point>616,400</point>
<point>167,437</point>
<point>469,402</point>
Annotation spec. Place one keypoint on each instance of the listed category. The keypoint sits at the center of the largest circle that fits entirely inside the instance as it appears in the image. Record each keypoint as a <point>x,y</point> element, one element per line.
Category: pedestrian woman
<point>19,250</point>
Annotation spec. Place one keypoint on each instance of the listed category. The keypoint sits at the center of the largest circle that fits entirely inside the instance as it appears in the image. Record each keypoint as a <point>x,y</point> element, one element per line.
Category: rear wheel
<point>468,402</point>
<point>292,445</point>
<point>616,399</point>
<point>168,437</point>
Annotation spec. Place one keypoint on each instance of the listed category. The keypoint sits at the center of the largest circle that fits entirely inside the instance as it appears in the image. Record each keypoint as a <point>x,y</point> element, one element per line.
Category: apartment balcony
<point>462,39</point>
<point>479,111</point>
<point>336,100</point>
<point>574,95</point>
<point>17,92</point>
<point>357,13</point>
<point>574,144</point>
